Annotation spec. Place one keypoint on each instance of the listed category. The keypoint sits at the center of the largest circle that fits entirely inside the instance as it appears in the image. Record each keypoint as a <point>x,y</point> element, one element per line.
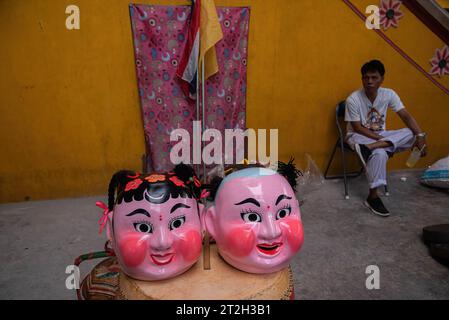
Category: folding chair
<point>344,147</point>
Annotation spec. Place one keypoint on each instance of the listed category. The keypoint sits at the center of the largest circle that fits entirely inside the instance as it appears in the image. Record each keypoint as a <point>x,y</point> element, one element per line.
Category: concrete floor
<point>38,239</point>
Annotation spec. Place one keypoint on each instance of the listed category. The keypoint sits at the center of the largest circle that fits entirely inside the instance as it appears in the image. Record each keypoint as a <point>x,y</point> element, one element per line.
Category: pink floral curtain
<point>159,34</point>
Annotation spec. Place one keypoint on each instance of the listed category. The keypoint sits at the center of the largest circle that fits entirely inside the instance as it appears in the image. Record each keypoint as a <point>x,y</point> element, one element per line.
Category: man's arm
<point>358,128</point>
<point>411,123</point>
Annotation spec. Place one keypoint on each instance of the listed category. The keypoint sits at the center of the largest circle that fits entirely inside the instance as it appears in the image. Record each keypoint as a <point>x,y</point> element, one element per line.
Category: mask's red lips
<point>162,259</point>
<point>269,248</point>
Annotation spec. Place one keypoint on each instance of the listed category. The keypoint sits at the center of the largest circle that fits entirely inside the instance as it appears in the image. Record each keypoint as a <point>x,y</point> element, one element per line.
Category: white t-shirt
<point>371,115</point>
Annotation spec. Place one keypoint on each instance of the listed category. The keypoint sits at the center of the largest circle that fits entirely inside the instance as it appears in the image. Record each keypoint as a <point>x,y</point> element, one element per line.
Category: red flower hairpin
<point>177,181</point>
<point>134,184</point>
<point>204,194</point>
<point>155,178</point>
<point>196,181</point>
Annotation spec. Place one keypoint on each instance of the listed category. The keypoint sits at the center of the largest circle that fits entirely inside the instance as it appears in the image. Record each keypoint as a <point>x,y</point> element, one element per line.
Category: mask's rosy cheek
<point>133,249</point>
<point>190,246</point>
<point>292,227</point>
<point>240,241</point>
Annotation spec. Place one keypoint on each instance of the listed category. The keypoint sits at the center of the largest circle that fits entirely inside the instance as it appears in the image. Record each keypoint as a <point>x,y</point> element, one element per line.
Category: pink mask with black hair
<point>154,227</point>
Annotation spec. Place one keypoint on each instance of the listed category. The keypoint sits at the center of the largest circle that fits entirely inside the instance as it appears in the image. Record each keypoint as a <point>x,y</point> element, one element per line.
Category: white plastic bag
<point>312,178</point>
<point>437,175</point>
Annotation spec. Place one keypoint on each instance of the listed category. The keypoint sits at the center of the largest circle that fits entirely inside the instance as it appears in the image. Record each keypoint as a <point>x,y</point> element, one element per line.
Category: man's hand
<point>411,123</point>
<point>357,126</point>
<point>421,144</point>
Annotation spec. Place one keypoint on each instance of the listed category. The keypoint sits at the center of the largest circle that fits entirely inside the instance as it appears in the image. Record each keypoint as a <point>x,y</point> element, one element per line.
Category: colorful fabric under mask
<point>154,226</point>
<point>256,220</point>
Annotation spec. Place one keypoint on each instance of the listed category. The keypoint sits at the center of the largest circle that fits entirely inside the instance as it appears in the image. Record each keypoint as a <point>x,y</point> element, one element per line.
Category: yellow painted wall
<point>443,3</point>
<point>70,112</point>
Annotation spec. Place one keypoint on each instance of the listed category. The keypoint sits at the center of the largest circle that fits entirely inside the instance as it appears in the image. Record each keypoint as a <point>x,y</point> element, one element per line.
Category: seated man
<point>366,113</point>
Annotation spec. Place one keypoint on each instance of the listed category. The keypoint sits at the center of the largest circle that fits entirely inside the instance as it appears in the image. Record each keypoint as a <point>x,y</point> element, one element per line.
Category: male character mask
<point>255,219</point>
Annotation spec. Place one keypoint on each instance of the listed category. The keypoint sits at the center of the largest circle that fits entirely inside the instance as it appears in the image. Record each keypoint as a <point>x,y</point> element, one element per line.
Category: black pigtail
<point>290,172</point>
<point>184,172</point>
<point>213,187</point>
<point>117,181</point>
<point>187,175</point>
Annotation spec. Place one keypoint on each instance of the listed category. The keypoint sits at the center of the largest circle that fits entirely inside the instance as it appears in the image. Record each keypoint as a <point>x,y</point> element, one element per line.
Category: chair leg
<point>387,193</point>
<point>330,160</point>
<point>344,168</point>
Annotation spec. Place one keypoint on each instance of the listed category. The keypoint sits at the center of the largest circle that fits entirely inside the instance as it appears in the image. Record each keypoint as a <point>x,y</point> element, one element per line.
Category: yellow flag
<point>210,34</point>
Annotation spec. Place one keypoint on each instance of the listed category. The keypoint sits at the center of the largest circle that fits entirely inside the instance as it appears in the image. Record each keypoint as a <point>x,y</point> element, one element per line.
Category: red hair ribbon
<point>104,217</point>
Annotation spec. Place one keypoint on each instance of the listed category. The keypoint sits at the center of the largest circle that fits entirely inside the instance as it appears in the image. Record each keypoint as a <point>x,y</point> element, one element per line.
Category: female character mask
<point>154,226</point>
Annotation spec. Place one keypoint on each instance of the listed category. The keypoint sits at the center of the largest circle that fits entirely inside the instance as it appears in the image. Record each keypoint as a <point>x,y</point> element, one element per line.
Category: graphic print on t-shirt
<point>375,120</point>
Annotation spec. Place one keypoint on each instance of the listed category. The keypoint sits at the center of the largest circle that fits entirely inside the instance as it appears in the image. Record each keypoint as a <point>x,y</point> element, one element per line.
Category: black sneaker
<point>363,152</point>
<point>377,207</point>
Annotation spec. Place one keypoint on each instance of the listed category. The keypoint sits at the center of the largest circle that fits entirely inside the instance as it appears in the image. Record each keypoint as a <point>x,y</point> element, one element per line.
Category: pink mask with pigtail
<point>154,226</point>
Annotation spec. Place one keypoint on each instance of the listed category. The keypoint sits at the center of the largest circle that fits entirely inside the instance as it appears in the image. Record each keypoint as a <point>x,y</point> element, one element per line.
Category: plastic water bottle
<point>414,157</point>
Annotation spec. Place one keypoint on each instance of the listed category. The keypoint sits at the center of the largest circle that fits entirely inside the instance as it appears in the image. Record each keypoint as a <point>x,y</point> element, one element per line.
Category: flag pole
<point>197,169</point>
<point>206,252</point>
<point>203,124</point>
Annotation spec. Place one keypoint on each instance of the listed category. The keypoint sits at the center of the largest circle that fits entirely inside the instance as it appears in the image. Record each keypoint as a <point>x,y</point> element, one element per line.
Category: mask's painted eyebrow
<point>139,211</point>
<point>179,205</point>
<point>249,200</point>
<point>281,197</point>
